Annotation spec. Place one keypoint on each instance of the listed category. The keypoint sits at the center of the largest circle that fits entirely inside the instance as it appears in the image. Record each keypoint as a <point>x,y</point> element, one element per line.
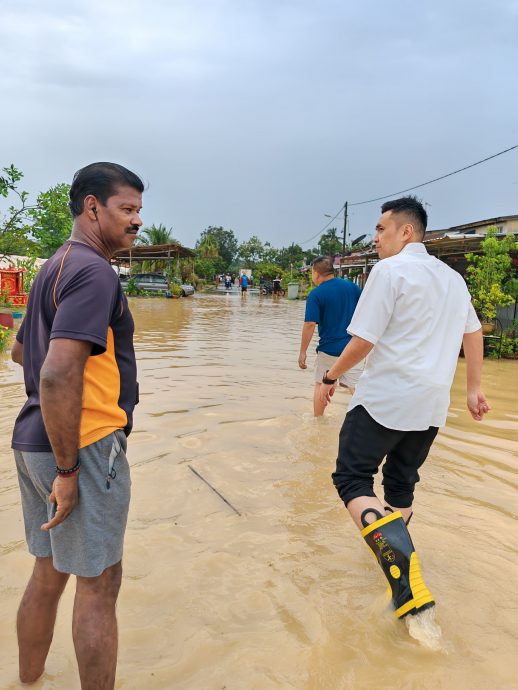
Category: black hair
<point>102,181</point>
<point>412,208</point>
<point>323,265</point>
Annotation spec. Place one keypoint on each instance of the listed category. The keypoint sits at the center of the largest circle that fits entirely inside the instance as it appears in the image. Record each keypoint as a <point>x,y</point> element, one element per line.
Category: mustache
<point>133,228</point>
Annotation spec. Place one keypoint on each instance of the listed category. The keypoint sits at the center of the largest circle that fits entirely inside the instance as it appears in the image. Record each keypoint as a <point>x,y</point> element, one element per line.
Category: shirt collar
<point>414,248</point>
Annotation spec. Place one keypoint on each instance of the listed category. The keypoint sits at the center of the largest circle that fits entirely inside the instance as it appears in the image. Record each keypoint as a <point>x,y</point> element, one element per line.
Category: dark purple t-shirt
<point>77,295</point>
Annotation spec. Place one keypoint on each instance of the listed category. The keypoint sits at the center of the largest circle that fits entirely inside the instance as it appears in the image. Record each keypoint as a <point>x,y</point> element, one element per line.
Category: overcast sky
<point>263,115</point>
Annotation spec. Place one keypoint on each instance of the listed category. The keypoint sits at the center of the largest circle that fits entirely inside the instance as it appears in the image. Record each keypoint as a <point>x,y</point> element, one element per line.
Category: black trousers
<point>364,444</point>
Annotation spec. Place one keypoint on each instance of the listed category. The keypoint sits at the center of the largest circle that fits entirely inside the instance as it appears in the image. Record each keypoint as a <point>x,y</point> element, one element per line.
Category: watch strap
<point>329,382</point>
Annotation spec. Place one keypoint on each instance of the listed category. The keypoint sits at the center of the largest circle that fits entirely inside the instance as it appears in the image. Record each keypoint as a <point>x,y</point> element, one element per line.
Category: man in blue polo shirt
<point>331,305</point>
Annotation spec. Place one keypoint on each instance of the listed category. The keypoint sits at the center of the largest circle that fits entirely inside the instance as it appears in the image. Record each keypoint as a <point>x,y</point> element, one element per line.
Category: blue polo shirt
<point>331,305</point>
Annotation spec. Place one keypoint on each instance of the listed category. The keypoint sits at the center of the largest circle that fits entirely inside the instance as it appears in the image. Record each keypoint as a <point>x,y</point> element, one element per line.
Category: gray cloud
<point>263,116</point>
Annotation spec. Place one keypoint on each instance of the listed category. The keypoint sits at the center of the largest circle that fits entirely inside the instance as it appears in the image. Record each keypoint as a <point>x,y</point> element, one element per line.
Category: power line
<point>325,226</point>
<point>409,189</point>
<point>436,179</point>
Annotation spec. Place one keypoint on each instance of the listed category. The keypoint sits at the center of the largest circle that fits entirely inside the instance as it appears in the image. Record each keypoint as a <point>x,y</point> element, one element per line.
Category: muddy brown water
<point>286,594</point>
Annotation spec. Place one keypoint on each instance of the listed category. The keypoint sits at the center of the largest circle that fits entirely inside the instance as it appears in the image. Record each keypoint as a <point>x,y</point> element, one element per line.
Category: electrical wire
<point>325,226</point>
<point>409,189</point>
<point>436,179</point>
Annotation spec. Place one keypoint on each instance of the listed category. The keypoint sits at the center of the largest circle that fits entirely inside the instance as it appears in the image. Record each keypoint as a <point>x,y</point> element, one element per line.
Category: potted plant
<point>487,274</point>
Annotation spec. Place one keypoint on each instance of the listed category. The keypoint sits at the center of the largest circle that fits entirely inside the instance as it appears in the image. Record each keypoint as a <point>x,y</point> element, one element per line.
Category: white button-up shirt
<point>415,310</point>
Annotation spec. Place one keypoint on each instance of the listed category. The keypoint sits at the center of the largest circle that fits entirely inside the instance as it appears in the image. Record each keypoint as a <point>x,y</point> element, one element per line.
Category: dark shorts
<point>243,288</point>
<point>364,444</point>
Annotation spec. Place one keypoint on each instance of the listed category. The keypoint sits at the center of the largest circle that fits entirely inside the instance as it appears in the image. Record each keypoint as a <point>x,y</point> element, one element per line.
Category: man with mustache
<point>76,348</point>
<point>414,314</point>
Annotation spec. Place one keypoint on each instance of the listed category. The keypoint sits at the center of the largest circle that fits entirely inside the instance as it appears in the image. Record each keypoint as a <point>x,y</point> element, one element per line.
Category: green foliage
<point>268,270</point>
<point>252,252</point>
<point>510,345</point>
<point>132,290</point>
<point>487,274</point>
<point>293,255</point>
<point>5,300</point>
<point>52,220</point>
<point>13,230</point>
<point>225,241</point>
<point>31,271</point>
<point>175,289</point>
<point>5,336</point>
<point>329,244</point>
<point>205,268</point>
<point>156,234</point>
<point>209,261</point>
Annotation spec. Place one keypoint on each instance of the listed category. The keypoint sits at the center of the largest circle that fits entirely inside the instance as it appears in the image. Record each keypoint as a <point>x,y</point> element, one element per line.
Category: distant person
<point>412,317</point>
<point>277,285</point>
<point>228,282</point>
<point>76,348</point>
<point>261,282</point>
<point>244,283</point>
<point>330,305</point>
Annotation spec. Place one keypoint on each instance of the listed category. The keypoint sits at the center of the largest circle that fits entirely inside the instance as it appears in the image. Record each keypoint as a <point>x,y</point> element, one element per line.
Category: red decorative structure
<point>11,284</point>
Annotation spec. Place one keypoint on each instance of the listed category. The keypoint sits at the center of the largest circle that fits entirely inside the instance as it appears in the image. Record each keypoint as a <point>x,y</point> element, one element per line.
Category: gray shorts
<point>91,538</point>
<point>323,362</point>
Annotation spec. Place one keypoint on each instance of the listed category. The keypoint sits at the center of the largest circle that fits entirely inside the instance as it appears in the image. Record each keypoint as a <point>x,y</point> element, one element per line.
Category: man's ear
<point>90,205</point>
<point>408,231</point>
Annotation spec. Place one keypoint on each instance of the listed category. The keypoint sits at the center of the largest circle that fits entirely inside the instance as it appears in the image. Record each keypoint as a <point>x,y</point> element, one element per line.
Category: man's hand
<point>65,495</point>
<point>302,360</point>
<point>477,405</point>
<point>326,392</point>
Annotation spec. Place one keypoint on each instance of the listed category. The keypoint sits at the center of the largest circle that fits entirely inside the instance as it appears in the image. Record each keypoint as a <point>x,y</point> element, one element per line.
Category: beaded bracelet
<point>69,472</point>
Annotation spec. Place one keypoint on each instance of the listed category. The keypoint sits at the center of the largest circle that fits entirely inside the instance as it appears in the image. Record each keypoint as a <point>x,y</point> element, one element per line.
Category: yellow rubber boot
<point>389,540</point>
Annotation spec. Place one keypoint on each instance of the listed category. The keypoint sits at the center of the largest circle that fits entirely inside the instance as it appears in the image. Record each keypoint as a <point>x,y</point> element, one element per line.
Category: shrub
<point>5,335</point>
<point>488,273</point>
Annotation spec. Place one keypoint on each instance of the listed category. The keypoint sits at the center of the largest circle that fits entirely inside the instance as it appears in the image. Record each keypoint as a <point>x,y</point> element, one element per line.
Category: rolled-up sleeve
<point>375,306</point>
<point>472,322</point>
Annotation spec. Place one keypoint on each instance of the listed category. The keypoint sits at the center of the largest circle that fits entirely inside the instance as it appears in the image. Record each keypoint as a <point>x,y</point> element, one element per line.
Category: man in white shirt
<point>412,317</point>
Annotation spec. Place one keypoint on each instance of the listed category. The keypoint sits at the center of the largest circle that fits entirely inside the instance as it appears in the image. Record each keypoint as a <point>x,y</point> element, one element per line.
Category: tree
<point>209,260</point>
<point>207,247</point>
<point>487,274</point>
<point>52,220</point>
<point>226,241</point>
<point>293,255</point>
<point>156,234</point>
<point>329,243</point>
<point>205,268</point>
<point>251,251</point>
<point>13,229</point>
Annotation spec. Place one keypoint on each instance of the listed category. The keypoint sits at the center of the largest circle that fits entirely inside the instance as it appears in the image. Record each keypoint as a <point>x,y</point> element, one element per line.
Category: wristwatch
<point>329,382</point>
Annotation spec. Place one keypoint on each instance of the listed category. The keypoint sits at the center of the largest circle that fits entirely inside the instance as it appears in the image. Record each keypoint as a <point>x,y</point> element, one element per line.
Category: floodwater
<point>284,594</point>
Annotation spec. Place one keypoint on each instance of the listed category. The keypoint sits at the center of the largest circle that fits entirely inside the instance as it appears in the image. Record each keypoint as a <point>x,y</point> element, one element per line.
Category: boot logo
<point>389,555</point>
<point>384,547</point>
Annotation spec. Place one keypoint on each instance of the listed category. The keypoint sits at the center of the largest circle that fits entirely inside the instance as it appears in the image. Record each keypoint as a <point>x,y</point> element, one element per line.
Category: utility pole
<point>344,238</point>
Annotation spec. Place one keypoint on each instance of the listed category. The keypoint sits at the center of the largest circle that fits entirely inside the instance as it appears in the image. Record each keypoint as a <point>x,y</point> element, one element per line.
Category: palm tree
<point>157,234</point>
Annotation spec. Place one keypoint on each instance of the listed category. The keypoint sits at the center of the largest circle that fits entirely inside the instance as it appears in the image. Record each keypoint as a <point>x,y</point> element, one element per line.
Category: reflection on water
<point>285,595</point>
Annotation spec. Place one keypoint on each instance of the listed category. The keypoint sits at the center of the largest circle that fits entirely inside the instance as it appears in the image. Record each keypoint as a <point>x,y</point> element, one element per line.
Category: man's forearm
<point>61,404</point>
<point>355,350</point>
<point>473,346</point>
<point>17,353</point>
<point>307,333</point>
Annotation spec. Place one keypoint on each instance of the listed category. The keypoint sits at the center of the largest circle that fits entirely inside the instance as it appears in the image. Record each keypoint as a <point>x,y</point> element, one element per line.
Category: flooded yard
<point>283,594</point>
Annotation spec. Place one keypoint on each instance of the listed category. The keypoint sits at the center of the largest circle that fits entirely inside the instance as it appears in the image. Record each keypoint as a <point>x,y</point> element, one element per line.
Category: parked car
<point>187,288</point>
<point>155,282</point>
